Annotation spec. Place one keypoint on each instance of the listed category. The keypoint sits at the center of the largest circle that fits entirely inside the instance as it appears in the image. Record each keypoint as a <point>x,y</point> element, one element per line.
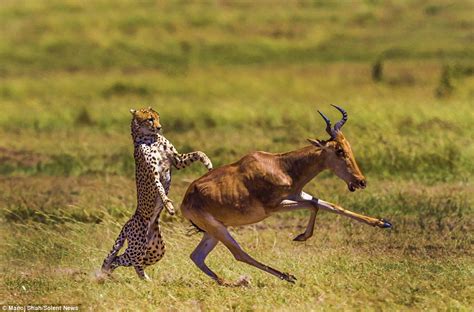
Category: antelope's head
<point>338,154</point>
<point>145,121</point>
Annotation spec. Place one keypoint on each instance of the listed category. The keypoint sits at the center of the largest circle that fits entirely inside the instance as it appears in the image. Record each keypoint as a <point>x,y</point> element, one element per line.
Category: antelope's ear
<point>317,143</point>
<point>132,111</point>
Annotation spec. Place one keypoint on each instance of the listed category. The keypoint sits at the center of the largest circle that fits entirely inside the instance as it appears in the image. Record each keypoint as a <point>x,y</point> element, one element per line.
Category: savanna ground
<point>229,78</point>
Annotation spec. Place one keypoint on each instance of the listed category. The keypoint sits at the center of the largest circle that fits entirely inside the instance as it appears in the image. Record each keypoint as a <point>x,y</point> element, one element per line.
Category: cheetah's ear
<point>132,111</point>
<point>149,108</point>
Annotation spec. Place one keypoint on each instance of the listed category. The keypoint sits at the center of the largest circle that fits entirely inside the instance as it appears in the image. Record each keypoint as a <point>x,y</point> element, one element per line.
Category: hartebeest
<point>261,184</point>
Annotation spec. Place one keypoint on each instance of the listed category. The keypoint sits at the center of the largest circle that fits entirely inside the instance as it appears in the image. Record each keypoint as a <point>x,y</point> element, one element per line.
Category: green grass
<point>427,254</point>
<point>229,78</point>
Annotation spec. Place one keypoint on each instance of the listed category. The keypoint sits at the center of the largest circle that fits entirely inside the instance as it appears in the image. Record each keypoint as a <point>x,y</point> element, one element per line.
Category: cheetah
<point>154,158</point>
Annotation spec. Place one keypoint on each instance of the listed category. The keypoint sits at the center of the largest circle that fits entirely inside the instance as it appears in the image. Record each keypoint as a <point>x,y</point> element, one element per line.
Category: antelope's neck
<point>303,165</point>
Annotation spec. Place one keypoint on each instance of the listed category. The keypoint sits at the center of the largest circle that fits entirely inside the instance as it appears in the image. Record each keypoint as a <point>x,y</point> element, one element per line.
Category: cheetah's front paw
<point>169,207</point>
<point>209,166</point>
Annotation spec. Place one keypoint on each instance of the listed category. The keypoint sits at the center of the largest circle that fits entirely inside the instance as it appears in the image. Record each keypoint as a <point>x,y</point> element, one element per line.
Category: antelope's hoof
<point>385,224</point>
<point>300,238</point>
<point>288,277</point>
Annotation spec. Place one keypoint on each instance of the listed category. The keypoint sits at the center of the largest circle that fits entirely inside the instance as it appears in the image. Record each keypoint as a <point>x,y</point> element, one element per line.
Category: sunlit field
<point>229,78</point>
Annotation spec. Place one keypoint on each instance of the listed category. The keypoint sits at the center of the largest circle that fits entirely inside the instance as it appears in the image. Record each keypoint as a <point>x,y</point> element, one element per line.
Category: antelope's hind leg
<point>218,232</point>
<point>199,255</point>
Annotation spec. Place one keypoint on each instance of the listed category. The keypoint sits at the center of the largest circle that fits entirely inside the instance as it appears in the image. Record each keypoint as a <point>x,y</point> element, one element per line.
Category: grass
<point>229,78</point>
<point>426,253</point>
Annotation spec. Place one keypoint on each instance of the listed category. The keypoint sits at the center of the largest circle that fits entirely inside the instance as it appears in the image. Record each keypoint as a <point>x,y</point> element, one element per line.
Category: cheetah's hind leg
<point>141,273</point>
<point>107,264</point>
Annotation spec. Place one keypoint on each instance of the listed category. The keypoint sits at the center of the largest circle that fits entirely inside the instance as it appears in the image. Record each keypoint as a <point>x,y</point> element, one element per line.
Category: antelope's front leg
<point>381,223</point>
<point>312,219</point>
<point>304,201</point>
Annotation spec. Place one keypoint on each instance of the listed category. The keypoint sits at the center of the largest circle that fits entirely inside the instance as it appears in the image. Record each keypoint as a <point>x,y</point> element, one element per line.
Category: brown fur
<point>252,188</point>
<point>261,184</point>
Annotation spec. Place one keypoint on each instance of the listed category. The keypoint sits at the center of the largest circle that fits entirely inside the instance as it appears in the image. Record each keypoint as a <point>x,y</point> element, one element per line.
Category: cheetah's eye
<point>151,119</point>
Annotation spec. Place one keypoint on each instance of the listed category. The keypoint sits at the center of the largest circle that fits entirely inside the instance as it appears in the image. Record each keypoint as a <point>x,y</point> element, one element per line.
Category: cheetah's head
<point>146,120</point>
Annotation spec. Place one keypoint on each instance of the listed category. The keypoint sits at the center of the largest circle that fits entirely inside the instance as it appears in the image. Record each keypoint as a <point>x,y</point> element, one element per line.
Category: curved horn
<point>341,122</point>
<point>329,129</point>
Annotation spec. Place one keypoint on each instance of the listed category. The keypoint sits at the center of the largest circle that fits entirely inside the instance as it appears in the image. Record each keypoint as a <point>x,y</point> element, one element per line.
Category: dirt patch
<point>21,158</point>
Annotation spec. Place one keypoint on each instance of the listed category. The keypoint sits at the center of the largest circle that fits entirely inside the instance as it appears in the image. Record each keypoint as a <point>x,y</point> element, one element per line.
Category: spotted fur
<point>154,158</point>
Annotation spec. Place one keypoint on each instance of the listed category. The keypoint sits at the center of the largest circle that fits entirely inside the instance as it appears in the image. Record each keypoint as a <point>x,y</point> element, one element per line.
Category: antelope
<point>261,184</point>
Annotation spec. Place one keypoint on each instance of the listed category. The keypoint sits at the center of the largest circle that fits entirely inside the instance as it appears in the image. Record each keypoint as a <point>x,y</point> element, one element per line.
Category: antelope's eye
<point>340,152</point>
